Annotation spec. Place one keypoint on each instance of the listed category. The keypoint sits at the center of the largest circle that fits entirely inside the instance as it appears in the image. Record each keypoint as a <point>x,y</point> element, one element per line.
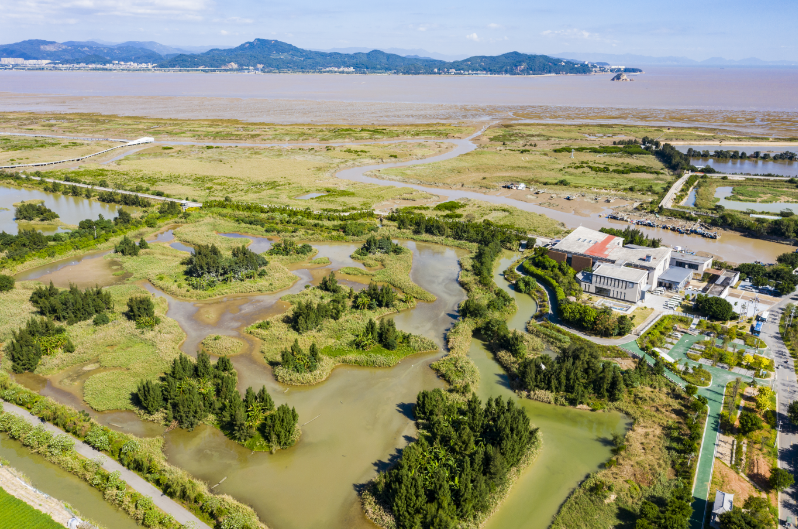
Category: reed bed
<point>221,345</point>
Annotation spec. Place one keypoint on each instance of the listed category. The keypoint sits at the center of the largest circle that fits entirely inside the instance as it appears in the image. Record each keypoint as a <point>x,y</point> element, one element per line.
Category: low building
<point>618,282</point>
<point>724,502</point>
<point>603,248</point>
<point>721,283</point>
<point>675,278</point>
<point>696,263</point>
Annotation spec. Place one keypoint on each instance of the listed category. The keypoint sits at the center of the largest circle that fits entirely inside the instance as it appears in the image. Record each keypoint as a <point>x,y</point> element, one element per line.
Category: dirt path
<point>15,486</point>
<point>166,504</point>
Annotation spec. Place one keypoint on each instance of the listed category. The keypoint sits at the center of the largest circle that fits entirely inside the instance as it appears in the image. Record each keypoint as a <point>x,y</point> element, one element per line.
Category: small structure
<point>724,502</point>
<point>696,263</point>
<point>675,278</point>
<point>721,284</point>
<point>619,282</point>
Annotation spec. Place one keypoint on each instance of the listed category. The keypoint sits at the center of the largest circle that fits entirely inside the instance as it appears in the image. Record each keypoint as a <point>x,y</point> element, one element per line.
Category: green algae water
<point>575,442</point>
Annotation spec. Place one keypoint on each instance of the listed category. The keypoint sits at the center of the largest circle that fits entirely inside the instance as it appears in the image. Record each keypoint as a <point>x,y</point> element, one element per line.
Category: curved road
<point>165,503</point>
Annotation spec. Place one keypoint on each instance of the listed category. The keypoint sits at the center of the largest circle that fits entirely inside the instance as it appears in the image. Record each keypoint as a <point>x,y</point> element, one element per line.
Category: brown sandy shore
<point>293,111</point>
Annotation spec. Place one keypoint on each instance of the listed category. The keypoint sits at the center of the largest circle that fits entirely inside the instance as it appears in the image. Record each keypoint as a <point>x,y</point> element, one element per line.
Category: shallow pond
<point>60,484</point>
<point>771,207</point>
<point>71,210</point>
<point>254,243</point>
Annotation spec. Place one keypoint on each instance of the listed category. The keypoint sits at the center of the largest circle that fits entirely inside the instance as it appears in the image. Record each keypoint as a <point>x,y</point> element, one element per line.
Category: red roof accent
<point>600,248</point>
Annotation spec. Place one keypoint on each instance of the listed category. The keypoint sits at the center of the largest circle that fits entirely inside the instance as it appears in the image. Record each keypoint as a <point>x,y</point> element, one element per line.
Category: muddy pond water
<point>356,422</point>
<point>71,210</point>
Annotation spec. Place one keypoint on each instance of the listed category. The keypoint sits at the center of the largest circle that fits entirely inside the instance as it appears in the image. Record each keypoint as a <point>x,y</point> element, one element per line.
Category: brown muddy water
<point>71,210</point>
<point>60,484</point>
<point>355,422</point>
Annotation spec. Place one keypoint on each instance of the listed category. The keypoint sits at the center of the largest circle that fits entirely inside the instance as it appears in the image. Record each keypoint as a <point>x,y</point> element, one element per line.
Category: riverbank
<point>13,483</point>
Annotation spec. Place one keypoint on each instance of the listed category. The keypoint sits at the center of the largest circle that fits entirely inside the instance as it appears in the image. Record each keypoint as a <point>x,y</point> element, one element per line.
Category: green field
<point>16,514</point>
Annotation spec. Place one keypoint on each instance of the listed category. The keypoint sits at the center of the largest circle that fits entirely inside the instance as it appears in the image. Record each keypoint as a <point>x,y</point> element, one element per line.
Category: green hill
<point>273,55</point>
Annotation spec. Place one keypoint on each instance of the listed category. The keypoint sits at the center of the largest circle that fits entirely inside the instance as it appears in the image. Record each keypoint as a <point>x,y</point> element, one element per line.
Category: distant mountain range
<point>280,56</point>
<point>646,60</point>
<point>274,55</point>
<point>412,53</point>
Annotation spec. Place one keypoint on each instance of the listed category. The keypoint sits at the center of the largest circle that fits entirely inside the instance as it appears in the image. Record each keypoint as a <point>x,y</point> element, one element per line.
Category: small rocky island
<point>621,77</point>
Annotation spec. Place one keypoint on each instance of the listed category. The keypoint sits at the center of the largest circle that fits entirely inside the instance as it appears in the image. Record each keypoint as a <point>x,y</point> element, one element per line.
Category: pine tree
<point>238,427</point>
<point>143,245</point>
<point>265,399</point>
<point>203,368</point>
<point>150,395</point>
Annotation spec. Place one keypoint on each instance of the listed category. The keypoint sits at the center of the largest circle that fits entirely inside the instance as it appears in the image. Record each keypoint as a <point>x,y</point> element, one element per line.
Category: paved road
<point>166,504</point>
<point>787,391</point>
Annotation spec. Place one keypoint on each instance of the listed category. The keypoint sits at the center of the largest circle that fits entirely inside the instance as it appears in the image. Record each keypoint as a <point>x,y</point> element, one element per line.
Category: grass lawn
<point>640,314</point>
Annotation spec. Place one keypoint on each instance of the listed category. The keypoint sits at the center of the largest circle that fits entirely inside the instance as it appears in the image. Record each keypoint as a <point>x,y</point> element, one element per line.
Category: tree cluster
<point>191,391</point>
<point>308,316</point>
<point>207,266</point>
<point>374,297</point>
<point>127,247</point>
<point>330,284</point>
<point>141,309</point>
<point>483,232</point>
<point>384,334</point>
<point>286,211</point>
<point>379,245</point>
<point>288,247</point>
<point>28,211</point>
<point>633,236</point>
<point>715,308</point>
<point>482,262</point>
<point>463,453</point>
<point>526,285</point>
<point>672,511</point>
<point>577,371</point>
<point>295,359</point>
<point>71,305</point>
<point>6,283</point>
<point>39,336</point>
<point>601,321</point>
<point>497,334</point>
<point>124,199</point>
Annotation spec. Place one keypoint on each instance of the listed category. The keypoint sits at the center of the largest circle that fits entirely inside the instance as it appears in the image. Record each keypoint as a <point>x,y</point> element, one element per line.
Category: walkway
<point>165,503</point>
<point>133,143</point>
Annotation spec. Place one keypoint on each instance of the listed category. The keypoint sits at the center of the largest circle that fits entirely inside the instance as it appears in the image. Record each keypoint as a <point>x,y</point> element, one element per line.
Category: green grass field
<point>16,514</point>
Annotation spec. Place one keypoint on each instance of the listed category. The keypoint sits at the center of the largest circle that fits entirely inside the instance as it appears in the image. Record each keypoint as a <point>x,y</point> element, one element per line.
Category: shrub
<point>126,247</point>
<point>526,285</point>
<point>6,283</point>
<point>749,422</point>
<point>98,438</point>
<point>139,307</point>
<point>101,319</point>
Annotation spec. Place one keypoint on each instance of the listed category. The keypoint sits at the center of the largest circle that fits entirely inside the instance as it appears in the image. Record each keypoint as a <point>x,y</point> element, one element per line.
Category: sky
<point>732,29</point>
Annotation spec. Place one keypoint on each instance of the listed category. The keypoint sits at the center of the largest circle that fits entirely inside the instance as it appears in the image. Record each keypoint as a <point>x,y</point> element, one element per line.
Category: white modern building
<point>586,247</point>
<point>619,282</point>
